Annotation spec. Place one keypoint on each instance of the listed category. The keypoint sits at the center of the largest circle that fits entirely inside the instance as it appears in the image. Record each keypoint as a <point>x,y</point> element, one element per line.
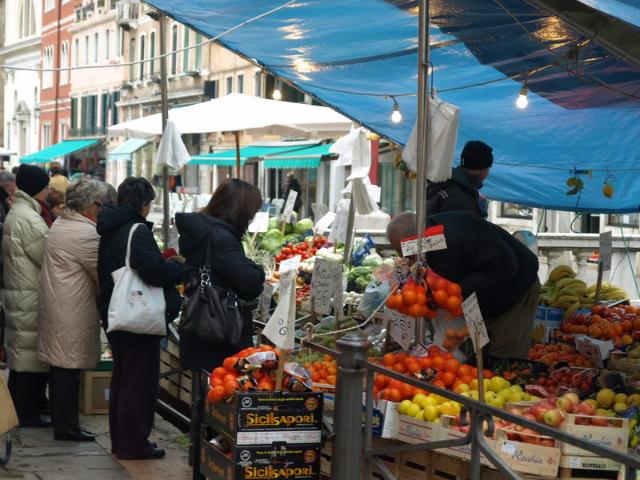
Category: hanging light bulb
<point>396,116</point>
<point>522,100</point>
<point>276,95</point>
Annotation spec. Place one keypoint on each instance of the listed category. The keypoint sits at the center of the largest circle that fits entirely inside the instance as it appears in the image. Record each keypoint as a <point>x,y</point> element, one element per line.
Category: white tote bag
<point>135,307</point>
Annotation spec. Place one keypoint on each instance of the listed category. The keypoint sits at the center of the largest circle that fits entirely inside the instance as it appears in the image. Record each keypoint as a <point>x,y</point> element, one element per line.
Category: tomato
<point>229,378</point>
<point>415,310</point>
<point>381,381</point>
<point>286,251</point>
<point>425,362</point>
<point>442,284</point>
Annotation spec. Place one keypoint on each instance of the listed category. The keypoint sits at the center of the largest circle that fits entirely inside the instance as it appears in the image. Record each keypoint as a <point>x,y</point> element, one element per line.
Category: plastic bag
<point>449,333</point>
<point>361,250</point>
<point>373,296</point>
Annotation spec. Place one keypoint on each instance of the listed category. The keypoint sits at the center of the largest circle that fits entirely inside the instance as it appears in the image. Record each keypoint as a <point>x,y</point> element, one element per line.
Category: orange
<point>452,365</point>
<point>439,384</point>
<point>425,362</point>
<point>216,394</point>
<point>448,378</point>
<point>449,344</point>
<point>406,391</point>
<point>438,362</point>
<point>442,284</point>
<point>454,289</point>
<point>415,310</point>
<point>421,299</point>
<point>464,370</point>
<point>617,328</point>
<point>453,303</point>
<point>409,297</point>
<point>230,387</point>
<point>219,372</point>
<point>393,394</point>
<point>230,363</point>
<point>608,333</point>
<point>400,367</point>
<point>413,367</point>
<point>381,381</point>
<point>487,374</point>
<point>440,297</point>
<point>420,290</point>
<point>389,359</point>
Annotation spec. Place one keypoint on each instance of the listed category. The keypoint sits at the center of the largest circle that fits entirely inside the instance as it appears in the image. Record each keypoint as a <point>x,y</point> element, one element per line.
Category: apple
<point>553,417</point>
<point>565,404</point>
<point>538,411</point>
<point>513,436</point>
<point>547,442</point>
<point>586,408</point>
<point>599,422</point>
<point>580,420</point>
<point>573,397</point>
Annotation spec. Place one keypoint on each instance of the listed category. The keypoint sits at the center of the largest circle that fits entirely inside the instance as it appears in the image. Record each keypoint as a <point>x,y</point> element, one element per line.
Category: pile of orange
<point>558,352</point>
<point>224,380</point>
<point>416,300</point>
<point>323,372</point>
<point>450,373</point>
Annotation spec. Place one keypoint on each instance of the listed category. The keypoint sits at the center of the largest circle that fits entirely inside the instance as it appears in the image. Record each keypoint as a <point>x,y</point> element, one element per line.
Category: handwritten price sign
<point>288,207</point>
<point>401,327</point>
<point>475,322</point>
<point>432,241</point>
<point>264,302</point>
<point>281,326</point>
<point>326,286</point>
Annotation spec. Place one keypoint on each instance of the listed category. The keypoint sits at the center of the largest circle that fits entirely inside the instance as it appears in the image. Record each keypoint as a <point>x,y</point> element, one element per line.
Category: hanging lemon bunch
<point>576,185</point>
<point>402,166</point>
<point>607,188</point>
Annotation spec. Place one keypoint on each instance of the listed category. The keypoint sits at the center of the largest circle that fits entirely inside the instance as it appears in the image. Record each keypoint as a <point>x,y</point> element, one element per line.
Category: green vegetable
<point>273,223</point>
<point>374,260</point>
<point>356,272</point>
<point>272,241</point>
<point>303,226</point>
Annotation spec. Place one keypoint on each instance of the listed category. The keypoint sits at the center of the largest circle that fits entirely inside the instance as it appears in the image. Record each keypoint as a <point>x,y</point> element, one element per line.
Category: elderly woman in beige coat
<point>69,322</point>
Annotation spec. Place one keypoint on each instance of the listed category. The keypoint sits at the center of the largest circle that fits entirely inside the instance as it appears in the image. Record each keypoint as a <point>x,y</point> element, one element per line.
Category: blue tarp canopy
<point>58,150</point>
<point>127,149</point>
<point>357,55</point>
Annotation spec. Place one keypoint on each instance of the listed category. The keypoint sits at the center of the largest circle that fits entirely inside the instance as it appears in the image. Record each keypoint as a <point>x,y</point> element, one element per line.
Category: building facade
<point>55,101</point>
<point>21,49</point>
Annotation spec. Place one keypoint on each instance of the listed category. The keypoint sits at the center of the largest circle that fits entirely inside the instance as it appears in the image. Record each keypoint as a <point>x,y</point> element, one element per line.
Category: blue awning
<point>125,150</point>
<point>304,158</point>
<point>58,150</point>
<point>357,55</point>
<point>227,158</point>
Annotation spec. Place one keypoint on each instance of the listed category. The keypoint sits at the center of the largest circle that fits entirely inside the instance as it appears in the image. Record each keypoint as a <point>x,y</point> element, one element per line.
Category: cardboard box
<point>528,457</point>
<point>275,461</point>
<point>549,314</point>
<point>595,350</point>
<point>615,437</point>
<point>412,430</point>
<point>94,392</point>
<point>252,417</point>
<point>385,418</point>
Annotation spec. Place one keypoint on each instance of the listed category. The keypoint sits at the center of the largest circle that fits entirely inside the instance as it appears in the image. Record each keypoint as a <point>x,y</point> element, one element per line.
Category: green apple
<point>497,383</point>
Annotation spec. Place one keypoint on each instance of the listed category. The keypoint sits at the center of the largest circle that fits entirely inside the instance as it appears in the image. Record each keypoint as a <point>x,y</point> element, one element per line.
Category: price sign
<point>595,350</point>
<point>401,271</point>
<point>280,328</point>
<point>401,327</point>
<point>432,240</point>
<point>475,323</point>
<point>260,223</point>
<point>290,264</point>
<point>324,223</point>
<point>326,286</point>
<point>264,302</point>
<point>288,207</point>
<point>606,247</point>
<point>339,229</point>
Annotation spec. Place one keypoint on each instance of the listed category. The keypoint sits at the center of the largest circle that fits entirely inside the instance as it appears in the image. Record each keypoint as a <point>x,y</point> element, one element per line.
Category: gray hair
<point>82,193</point>
<point>6,177</point>
<point>110,196</point>
<point>402,226</point>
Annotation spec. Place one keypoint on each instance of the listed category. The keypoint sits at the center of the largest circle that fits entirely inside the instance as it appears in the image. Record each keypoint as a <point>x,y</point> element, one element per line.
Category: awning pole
<point>238,165</point>
<point>423,140</point>
<point>165,115</point>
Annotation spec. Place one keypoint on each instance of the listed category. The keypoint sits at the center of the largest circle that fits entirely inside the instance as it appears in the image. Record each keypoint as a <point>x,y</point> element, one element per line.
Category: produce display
<point>558,352</point>
<point>422,300</point>
<point>619,324</point>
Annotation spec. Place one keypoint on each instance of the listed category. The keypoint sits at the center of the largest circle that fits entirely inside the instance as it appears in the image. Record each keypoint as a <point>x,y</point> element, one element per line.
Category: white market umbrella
<point>6,153</point>
<point>237,112</point>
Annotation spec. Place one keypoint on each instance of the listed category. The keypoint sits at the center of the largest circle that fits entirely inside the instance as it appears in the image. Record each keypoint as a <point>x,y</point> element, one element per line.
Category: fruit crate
<point>537,455</point>
<point>611,432</point>
<point>620,361</point>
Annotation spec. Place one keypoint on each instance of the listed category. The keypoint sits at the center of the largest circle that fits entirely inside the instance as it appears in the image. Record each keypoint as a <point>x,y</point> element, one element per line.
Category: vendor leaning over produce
<point>485,259</point>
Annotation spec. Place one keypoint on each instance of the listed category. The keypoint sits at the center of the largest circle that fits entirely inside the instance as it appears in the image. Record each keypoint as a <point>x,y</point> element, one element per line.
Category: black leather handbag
<point>210,313</point>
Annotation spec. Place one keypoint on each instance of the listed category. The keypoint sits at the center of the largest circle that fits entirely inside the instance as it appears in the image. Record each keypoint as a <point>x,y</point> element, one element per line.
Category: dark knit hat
<point>476,155</point>
<point>31,180</point>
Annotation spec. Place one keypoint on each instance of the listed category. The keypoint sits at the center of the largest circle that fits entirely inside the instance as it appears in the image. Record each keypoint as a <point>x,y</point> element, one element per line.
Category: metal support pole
<point>351,220</point>
<point>347,448</point>
<point>197,409</point>
<point>423,137</point>
<point>165,115</point>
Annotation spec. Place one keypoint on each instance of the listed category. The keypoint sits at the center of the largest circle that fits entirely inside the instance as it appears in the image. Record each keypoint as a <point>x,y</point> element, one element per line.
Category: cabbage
<point>273,223</point>
<point>303,226</point>
<point>272,241</point>
<point>374,260</point>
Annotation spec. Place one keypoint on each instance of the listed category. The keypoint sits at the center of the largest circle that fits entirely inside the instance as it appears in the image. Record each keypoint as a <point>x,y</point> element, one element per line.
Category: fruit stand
<point>410,394</point>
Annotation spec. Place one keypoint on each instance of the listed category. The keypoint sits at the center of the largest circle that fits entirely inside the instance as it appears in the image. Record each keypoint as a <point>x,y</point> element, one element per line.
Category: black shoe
<point>38,422</point>
<point>146,455</point>
<point>79,436</point>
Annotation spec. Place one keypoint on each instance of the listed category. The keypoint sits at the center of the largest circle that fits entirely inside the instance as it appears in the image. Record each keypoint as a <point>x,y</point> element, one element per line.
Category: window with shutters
<point>64,63</point>
<point>142,52</point>
<point>198,60</point>
<point>152,53</point>
<point>240,83</point>
<point>185,53</point>
<point>174,48</point>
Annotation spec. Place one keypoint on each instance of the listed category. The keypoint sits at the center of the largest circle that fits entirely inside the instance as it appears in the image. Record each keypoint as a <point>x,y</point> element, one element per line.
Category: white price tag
<point>264,302</point>
<point>475,323</point>
<point>290,264</point>
<point>326,286</point>
<point>402,328</point>
<point>288,207</point>
<point>432,240</point>
<point>324,223</point>
<point>606,247</point>
<point>339,229</point>
<point>260,223</point>
<point>509,448</point>
<point>280,328</point>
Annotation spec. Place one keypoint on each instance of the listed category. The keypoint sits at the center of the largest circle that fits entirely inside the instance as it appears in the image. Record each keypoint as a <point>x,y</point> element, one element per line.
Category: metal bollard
<point>347,448</point>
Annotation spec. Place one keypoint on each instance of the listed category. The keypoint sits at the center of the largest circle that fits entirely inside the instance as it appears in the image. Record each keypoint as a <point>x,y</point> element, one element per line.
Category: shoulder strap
<point>126,258</point>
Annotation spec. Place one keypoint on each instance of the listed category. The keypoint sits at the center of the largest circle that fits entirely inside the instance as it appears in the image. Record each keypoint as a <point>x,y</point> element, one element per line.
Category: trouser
<point>64,386</point>
<point>133,395</point>
<point>510,333</point>
<point>29,394</point>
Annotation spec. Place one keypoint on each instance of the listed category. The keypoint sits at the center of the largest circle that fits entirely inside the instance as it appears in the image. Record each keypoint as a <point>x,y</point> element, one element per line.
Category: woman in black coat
<point>136,358</point>
<point>220,227</point>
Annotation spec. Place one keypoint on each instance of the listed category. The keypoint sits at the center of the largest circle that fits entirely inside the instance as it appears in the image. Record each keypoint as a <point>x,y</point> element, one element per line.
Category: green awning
<point>304,158</point>
<point>58,150</point>
<point>127,149</point>
<point>227,158</point>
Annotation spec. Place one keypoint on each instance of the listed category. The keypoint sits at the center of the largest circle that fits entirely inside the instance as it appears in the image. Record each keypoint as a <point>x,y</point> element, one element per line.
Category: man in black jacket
<point>135,378</point>
<point>461,191</point>
<point>484,258</point>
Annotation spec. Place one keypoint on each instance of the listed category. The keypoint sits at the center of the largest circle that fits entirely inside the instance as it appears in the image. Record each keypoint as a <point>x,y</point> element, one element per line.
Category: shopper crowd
<point>65,247</point>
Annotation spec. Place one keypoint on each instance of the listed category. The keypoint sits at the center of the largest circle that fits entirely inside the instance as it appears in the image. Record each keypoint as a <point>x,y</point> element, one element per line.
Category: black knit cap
<point>31,180</point>
<point>476,155</point>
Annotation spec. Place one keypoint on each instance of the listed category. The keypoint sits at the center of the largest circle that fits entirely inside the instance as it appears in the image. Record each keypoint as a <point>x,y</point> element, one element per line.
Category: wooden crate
<point>94,392</point>
<point>177,385</point>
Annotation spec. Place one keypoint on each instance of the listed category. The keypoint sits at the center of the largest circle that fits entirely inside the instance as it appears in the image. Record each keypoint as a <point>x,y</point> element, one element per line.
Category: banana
<point>570,282</point>
<point>560,272</point>
<point>570,311</point>
<point>565,301</point>
<point>569,292</point>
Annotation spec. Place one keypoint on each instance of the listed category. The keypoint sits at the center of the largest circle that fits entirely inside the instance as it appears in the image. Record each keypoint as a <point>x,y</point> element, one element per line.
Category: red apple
<point>565,404</point>
<point>538,411</point>
<point>513,436</point>
<point>547,442</point>
<point>553,417</point>
<point>573,397</point>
